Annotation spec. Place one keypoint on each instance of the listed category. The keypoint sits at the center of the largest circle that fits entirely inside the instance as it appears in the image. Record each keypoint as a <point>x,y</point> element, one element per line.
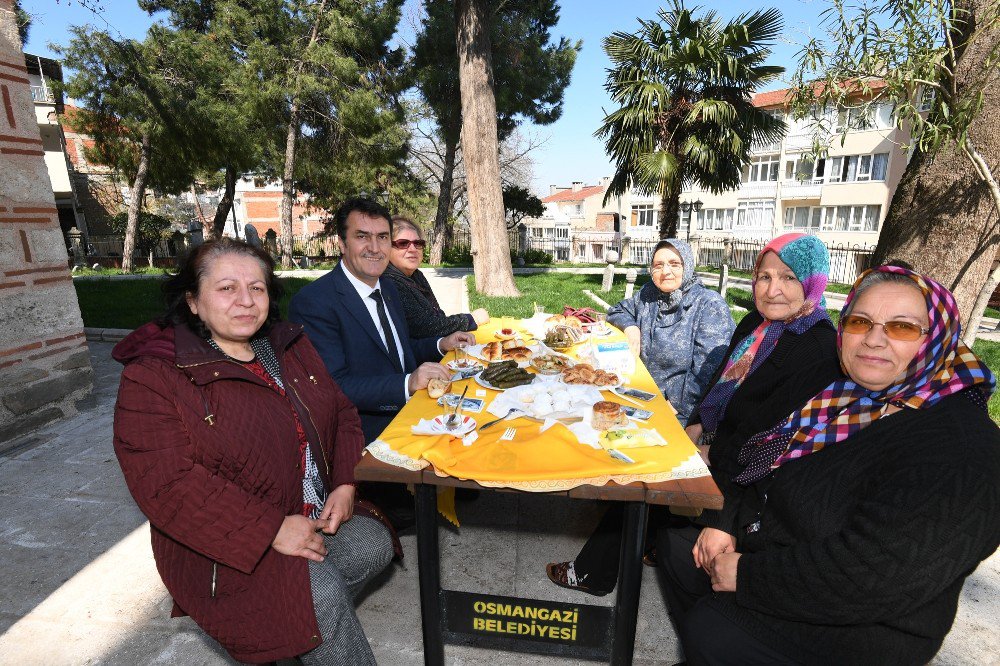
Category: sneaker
<point>563,575</point>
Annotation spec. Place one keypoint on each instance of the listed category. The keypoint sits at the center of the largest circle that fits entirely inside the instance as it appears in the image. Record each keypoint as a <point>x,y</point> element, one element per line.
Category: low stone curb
<point>106,334</point>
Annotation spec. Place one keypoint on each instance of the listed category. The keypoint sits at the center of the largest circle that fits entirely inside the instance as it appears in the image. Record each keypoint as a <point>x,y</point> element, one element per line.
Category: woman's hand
<point>633,335</point>
<point>298,537</point>
<point>694,432</point>
<point>723,572</point>
<point>338,509</point>
<point>481,316</point>
<point>711,543</point>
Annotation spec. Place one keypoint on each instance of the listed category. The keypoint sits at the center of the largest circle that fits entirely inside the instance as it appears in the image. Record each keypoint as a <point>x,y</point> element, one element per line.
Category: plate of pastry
<point>584,374</point>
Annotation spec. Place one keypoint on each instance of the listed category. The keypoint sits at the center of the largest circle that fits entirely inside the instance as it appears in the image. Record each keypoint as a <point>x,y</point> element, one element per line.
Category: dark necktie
<point>383,319</point>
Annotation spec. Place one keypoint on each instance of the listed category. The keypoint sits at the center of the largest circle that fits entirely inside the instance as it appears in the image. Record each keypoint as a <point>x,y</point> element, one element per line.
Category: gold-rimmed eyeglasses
<point>897,330</point>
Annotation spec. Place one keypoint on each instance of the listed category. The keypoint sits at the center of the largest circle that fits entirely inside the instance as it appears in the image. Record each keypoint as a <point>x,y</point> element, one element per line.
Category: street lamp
<point>687,207</point>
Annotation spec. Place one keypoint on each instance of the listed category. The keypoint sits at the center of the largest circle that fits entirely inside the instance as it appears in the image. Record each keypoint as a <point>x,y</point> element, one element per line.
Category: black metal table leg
<point>629,580</point>
<point>429,573</point>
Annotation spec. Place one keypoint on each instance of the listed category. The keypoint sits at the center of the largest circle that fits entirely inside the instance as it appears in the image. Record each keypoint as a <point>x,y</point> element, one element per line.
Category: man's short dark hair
<point>362,205</point>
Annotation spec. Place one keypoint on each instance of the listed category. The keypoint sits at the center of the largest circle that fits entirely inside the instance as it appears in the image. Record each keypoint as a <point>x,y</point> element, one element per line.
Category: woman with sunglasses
<point>863,511</point>
<point>423,314</point>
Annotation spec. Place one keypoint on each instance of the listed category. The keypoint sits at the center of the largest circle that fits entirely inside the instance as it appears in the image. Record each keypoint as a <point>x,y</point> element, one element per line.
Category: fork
<point>508,434</point>
<point>496,421</point>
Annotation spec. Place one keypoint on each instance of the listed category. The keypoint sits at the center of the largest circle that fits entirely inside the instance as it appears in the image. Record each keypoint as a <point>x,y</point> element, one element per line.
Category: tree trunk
<point>669,208</point>
<point>943,220</point>
<point>225,203</point>
<point>481,151</point>
<point>287,189</point>
<point>135,205</point>
<point>443,217</point>
<point>206,231</point>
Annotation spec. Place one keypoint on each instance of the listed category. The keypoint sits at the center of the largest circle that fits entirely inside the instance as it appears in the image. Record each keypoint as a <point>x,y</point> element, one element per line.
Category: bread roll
<point>607,415</point>
<point>437,387</point>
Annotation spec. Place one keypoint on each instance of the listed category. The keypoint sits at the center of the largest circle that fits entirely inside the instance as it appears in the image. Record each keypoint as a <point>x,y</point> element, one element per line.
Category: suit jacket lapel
<point>354,306</point>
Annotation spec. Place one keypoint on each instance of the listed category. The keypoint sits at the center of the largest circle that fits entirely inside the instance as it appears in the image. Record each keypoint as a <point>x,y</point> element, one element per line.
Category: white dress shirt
<point>364,291</point>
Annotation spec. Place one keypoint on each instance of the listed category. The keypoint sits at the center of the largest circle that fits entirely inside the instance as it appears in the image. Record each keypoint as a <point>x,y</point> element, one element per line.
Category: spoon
<point>453,419</point>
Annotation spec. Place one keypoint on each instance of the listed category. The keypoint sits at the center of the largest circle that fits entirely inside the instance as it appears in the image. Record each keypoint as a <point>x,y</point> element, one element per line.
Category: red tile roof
<point>570,195</point>
<point>783,96</point>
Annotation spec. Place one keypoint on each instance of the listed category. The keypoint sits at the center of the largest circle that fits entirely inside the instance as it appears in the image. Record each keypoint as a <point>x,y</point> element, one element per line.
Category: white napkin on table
<point>432,427</point>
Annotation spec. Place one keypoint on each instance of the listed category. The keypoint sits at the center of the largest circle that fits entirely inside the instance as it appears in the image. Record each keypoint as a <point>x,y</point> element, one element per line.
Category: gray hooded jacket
<point>684,334</point>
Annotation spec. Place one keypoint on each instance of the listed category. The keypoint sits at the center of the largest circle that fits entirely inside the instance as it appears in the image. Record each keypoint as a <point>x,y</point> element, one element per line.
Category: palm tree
<point>684,86</point>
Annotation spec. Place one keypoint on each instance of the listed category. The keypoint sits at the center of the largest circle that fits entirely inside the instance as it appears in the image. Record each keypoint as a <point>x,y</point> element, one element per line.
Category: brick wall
<point>44,361</point>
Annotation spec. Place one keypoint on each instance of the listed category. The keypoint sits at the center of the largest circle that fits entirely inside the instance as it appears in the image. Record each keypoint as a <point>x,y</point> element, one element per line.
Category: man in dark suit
<point>357,324</point>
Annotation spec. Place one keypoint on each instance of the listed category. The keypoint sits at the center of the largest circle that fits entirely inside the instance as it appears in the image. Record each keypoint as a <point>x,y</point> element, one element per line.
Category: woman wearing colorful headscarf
<point>680,329</point>
<point>787,341</point>
<point>866,508</point>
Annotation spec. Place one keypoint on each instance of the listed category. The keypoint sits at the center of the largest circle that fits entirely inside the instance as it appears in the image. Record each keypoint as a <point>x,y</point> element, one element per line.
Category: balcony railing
<point>793,189</point>
<point>42,94</point>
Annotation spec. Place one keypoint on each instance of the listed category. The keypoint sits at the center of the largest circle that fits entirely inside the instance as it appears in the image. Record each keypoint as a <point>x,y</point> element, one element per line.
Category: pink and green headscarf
<point>810,261</point>
<point>943,366</point>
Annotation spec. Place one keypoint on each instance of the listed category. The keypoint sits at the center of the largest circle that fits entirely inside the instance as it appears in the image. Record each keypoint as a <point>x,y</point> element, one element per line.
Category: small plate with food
<point>584,374</point>
<point>507,334</point>
<point>514,349</point>
<point>504,375</point>
<point>465,365</point>
<point>551,363</point>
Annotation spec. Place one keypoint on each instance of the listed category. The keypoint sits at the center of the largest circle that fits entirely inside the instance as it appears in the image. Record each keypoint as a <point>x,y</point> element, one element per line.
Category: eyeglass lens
<point>897,330</point>
<point>404,243</point>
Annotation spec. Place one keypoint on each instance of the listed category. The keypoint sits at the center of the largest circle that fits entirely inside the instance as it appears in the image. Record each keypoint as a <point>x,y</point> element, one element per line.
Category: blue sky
<point>570,151</point>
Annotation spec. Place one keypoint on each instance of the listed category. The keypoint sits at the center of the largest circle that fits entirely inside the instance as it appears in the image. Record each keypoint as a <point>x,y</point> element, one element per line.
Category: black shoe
<point>557,573</point>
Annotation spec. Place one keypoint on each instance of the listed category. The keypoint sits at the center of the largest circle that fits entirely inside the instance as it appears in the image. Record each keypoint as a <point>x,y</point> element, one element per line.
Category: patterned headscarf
<point>942,366</point>
<point>809,260</point>
<point>670,301</point>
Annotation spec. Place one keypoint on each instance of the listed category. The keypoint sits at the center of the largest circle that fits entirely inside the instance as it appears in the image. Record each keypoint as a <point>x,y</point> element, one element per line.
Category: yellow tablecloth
<point>537,461</point>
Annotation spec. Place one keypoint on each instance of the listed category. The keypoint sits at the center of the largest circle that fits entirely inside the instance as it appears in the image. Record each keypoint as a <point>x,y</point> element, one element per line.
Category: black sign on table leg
<point>429,569</point>
<point>629,580</point>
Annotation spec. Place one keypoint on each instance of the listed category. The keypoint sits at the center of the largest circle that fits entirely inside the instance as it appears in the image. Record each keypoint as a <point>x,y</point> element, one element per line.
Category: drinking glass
<point>461,355</point>
<point>602,323</point>
<point>539,309</point>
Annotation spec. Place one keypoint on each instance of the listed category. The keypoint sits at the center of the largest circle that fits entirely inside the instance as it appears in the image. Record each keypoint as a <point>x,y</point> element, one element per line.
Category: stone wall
<point>44,361</point>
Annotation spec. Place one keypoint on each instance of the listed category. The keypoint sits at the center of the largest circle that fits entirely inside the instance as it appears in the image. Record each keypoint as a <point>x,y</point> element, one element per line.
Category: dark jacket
<point>863,547</point>
<point>798,368</point>
<point>340,327</point>
<point>423,314</point>
<point>210,454</point>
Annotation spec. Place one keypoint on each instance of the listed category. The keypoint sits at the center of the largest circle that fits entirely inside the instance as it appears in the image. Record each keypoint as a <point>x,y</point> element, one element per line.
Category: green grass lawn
<point>131,303</point>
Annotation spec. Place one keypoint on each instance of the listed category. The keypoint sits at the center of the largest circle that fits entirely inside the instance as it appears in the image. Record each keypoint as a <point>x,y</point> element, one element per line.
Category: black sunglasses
<point>403,243</point>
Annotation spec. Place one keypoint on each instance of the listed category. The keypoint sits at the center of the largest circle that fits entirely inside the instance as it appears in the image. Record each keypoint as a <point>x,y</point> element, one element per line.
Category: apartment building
<point>841,197</point>
<point>42,72</point>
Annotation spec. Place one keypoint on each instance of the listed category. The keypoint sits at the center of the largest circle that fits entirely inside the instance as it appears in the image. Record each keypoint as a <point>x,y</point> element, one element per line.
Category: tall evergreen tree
<point>134,109</point>
<point>684,85</point>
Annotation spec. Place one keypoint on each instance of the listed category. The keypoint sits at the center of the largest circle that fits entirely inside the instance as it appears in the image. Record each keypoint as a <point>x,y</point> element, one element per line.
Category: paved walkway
<point>79,585</point>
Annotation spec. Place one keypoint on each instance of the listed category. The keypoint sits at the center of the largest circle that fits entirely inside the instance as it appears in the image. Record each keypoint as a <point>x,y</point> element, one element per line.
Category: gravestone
<point>44,360</point>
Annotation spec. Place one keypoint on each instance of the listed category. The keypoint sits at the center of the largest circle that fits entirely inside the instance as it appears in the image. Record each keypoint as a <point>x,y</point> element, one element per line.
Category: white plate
<point>569,363</point>
<point>468,425</point>
<point>485,384</point>
<point>453,365</point>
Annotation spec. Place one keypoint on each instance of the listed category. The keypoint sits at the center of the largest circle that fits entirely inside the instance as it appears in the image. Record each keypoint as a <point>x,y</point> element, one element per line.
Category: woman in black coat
<point>424,316</point>
<point>861,513</point>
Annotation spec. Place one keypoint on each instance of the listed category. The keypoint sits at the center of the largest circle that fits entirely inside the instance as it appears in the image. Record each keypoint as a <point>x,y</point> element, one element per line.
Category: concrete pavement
<point>79,585</point>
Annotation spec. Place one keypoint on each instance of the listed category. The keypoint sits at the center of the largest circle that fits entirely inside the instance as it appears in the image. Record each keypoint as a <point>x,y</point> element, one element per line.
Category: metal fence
<point>847,261</point>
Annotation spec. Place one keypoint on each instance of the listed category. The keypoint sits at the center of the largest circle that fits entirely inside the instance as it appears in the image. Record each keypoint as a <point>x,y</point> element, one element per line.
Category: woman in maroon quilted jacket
<point>240,449</point>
